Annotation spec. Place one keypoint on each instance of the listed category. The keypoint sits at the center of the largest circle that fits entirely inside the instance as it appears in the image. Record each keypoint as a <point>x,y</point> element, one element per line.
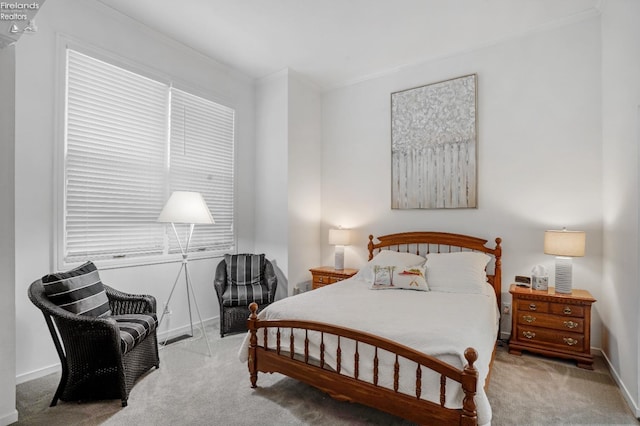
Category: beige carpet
<point>191,388</point>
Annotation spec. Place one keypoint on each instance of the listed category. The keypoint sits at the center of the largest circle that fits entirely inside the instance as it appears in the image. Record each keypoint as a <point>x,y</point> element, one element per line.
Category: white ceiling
<point>337,42</point>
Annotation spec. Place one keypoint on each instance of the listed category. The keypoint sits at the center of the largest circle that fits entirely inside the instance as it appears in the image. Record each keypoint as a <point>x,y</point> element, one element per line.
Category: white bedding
<point>436,323</point>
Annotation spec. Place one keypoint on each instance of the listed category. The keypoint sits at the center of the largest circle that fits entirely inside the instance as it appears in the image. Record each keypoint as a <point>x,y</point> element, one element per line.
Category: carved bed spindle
<point>306,346</point>
<point>418,381</point>
<point>375,368</point>
<point>356,361</point>
<point>322,350</point>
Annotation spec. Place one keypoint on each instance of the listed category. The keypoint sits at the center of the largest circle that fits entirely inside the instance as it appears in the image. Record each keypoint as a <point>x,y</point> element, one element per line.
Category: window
<point>129,142</point>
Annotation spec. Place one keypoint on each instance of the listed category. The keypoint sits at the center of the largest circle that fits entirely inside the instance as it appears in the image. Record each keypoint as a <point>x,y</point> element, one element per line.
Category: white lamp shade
<point>339,237</point>
<point>186,207</point>
<point>565,243</point>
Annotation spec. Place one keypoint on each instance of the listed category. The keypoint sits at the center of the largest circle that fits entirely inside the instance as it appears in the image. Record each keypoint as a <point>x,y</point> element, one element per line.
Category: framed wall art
<point>434,145</point>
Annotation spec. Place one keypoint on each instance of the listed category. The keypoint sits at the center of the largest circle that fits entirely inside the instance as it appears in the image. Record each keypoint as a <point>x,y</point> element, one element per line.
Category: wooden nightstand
<point>552,324</point>
<point>325,275</point>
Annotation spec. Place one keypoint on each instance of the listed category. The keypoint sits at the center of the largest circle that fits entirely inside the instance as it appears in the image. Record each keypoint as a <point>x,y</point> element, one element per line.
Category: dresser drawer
<point>566,341</point>
<point>567,310</point>
<point>536,319</point>
<point>533,306</point>
<point>324,279</point>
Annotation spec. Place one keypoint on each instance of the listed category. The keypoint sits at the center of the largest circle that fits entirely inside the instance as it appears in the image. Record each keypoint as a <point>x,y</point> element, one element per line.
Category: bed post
<point>497,279</point>
<point>469,382</point>
<point>370,247</point>
<point>253,344</point>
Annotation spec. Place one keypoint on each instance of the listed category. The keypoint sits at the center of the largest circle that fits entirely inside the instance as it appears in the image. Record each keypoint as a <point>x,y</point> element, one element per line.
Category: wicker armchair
<point>94,363</point>
<point>235,297</point>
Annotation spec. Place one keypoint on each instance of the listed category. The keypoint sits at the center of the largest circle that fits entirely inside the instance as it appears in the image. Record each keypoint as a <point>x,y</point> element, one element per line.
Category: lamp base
<point>563,275</point>
<point>339,258</point>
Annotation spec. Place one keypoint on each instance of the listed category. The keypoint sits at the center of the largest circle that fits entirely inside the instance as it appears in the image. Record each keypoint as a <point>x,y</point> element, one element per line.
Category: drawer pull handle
<point>529,334</point>
<point>529,318</point>
<point>567,310</point>
<point>532,306</point>
<point>570,324</point>
<point>569,341</point>
<point>321,279</point>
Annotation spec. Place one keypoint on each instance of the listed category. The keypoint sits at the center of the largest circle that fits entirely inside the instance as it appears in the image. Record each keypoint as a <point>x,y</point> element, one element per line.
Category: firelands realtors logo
<point>16,11</point>
<point>20,14</point>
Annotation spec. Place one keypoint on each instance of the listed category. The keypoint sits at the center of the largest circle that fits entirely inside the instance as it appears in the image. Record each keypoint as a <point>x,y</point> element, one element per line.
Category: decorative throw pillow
<point>458,272</point>
<point>392,277</point>
<point>244,269</point>
<point>389,258</point>
<point>79,291</point>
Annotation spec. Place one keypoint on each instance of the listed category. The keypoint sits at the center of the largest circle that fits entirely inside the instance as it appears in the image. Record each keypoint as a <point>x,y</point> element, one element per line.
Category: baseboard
<point>168,334</point>
<point>36,374</point>
<point>186,329</point>
<point>625,392</point>
<point>7,419</point>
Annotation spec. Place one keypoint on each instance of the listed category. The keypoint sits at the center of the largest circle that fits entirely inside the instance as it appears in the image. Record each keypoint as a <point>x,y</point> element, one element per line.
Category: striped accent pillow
<point>79,291</point>
<point>244,269</point>
<point>134,328</point>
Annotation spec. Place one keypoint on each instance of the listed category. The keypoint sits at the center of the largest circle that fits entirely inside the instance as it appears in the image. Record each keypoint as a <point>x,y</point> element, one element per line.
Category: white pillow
<point>458,272</point>
<point>392,278</point>
<point>389,258</point>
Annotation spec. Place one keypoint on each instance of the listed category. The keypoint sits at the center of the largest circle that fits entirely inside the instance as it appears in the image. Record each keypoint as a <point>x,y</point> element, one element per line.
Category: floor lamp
<point>187,208</point>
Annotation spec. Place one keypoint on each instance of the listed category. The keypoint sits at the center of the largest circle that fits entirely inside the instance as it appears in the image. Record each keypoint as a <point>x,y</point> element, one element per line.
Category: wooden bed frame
<point>315,372</point>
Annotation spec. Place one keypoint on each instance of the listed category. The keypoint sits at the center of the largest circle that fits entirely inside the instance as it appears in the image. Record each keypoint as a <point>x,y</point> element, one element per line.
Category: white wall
<point>8,413</point>
<point>539,151</point>
<point>37,106</point>
<point>271,215</point>
<point>304,183</point>
<point>620,300</point>
<point>288,129</point>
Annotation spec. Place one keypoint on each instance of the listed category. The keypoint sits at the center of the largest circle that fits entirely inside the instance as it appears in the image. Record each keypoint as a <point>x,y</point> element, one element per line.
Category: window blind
<point>201,159</point>
<point>130,142</point>
<point>115,161</point>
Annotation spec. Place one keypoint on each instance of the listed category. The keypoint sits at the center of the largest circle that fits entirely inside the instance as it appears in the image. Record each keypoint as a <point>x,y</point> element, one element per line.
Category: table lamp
<point>339,238</point>
<point>564,245</point>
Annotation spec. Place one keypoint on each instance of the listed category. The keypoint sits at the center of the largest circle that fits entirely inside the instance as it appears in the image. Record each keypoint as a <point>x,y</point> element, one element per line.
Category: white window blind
<point>121,164</point>
<point>201,160</point>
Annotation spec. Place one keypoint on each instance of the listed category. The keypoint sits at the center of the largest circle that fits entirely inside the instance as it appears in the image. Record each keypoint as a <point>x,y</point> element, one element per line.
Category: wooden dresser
<point>552,324</point>
<point>325,275</point>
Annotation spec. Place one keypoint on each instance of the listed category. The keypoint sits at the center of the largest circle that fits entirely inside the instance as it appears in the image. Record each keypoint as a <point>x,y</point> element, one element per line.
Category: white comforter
<point>438,324</point>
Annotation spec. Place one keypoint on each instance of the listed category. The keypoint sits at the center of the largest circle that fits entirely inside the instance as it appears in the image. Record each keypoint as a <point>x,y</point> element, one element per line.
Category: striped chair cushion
<point>134,328</point>
<point>244,269</point>
<point>243,295</point>
<point>79,291</point>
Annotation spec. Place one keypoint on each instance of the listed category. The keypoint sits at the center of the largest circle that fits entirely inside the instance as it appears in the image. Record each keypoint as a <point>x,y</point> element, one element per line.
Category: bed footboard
<point>282,357</point>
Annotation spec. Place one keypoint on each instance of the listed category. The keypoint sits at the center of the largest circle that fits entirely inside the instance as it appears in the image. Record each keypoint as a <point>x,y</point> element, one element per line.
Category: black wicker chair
<point>93,363</point>
<point>234,309</point>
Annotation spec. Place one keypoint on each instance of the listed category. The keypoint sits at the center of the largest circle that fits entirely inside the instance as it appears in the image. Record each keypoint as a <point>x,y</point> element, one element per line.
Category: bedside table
<point>552,324</point>
<point>325,275</point>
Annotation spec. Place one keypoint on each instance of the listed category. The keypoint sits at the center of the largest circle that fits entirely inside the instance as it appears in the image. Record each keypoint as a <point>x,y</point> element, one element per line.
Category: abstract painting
<point>434,145</point>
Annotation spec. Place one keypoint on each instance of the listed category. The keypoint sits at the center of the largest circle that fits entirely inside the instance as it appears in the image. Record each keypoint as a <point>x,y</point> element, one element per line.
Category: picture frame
<point>434,145</point>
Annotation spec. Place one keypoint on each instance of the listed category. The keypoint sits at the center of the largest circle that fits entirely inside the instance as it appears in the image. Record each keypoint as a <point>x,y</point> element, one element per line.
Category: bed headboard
<point>443,242</point>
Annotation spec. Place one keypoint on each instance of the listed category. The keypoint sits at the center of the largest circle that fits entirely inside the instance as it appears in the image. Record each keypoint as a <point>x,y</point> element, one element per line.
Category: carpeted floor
<point>191,388</point>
